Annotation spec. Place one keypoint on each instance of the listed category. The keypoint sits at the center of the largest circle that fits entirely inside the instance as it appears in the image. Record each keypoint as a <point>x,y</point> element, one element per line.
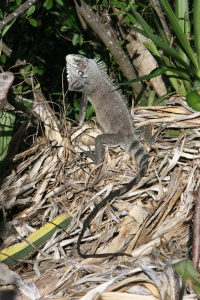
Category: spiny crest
<point>104,71</point>
<point>101,65</point>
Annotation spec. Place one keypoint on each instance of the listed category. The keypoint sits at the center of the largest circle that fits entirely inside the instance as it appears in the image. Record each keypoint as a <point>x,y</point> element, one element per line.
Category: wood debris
<point>152,222</point>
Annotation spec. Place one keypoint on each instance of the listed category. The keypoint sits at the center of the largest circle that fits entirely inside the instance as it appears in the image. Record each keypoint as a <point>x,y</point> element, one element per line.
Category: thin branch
<point>6,50</point>
<point>19,106</point>
<point>20,10</point>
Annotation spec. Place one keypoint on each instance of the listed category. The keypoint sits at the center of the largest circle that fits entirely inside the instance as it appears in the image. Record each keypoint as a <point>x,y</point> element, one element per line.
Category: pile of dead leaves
<point>152,222</point>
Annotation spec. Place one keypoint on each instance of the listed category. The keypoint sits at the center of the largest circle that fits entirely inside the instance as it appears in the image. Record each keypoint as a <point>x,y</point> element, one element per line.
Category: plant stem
<point>196,14</point>
<point>181,12</point>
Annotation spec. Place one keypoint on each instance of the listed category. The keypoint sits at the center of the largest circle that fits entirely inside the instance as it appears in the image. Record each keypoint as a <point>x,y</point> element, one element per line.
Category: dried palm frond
<point>152,222</point>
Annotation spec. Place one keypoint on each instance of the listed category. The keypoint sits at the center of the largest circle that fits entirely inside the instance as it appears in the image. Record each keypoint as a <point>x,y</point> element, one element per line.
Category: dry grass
<point>152,222</point>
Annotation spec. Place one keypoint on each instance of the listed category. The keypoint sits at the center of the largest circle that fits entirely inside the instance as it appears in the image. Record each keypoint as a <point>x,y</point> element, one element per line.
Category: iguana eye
<point>80,73</point>
<point>77,60</point>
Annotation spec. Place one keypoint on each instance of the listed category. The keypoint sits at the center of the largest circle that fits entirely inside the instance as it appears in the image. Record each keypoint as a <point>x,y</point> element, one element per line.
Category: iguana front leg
<point>83,106</point>
<point>101,140</point>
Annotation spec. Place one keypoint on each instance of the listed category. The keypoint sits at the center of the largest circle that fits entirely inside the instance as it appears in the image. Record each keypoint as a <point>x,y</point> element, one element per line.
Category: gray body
<point>90,77</point>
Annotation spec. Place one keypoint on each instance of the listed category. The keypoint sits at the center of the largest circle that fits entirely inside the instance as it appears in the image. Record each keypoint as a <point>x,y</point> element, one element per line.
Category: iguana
<point>6,81</point>
<point>90,77</point>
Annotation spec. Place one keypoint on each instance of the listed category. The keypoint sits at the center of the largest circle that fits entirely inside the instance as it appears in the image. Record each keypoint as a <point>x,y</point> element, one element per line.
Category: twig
<point>7,51</point>
<point>20,10</point>
<point>159,11</point>
<point>196,233</point>
<point>19,106</point>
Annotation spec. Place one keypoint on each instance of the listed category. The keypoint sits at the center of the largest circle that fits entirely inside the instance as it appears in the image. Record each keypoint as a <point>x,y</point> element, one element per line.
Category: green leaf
<point>119,4</point>
<point>7,120</point>
<point>153,74</point>
<point>151,97</point>
<point>60,2</point>
<point>196,14</point>
<point>130,19</point>
<point>182,13</point>
<point>76,105</point>
<point>189,274</point>
<point>18,2</point>
<point>38,70</point>
<point>37,86</point>
<point>7,27</point>
<point>30,11</point>
<point>64,28</point>
<point>27,103</point>
<point>77,40</point>
<point>56,94</point>
<point>1,14</point>
<point>173,133</point>
<point>76,115</point>
<point>18,90</point>
<point>121,42</point>
<point>11,255</point>
<point>80,40</point>
<point>3,58</point>
<point>104,3</point>
<point>48,4</point>
<point>158,41</point>
<point>33,22</point>
<point>193,100</point>
<point>35,70</point>
<point>178,82</point>
<point>89,112</point>
<point>179,32</point>
<point>26,71</point>
<point>40,59</point>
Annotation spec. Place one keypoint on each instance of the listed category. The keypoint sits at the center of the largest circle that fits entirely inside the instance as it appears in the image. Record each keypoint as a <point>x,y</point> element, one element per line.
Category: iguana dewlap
<point>89,76</point>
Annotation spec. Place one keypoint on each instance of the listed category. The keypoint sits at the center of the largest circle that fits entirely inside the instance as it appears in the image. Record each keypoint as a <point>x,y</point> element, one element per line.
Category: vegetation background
<point>119,32</point>
<point>151,49</point>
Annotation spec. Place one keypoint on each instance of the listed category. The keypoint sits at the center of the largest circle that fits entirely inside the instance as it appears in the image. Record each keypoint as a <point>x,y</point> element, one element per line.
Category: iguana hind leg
<point>110,139</point>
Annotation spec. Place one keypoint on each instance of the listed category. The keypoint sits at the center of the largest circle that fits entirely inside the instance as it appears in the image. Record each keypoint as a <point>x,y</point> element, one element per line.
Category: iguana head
<point>77,71</point>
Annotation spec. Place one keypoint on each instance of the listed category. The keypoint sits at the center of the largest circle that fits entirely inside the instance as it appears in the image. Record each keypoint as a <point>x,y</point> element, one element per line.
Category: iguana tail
<point>142,159</point>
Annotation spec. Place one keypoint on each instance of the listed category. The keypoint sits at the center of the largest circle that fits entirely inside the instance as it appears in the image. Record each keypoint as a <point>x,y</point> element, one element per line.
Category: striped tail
<point>138,152</point>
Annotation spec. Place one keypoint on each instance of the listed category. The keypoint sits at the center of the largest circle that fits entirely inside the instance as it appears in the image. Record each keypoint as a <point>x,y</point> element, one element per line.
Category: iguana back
<point>89,76</point>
